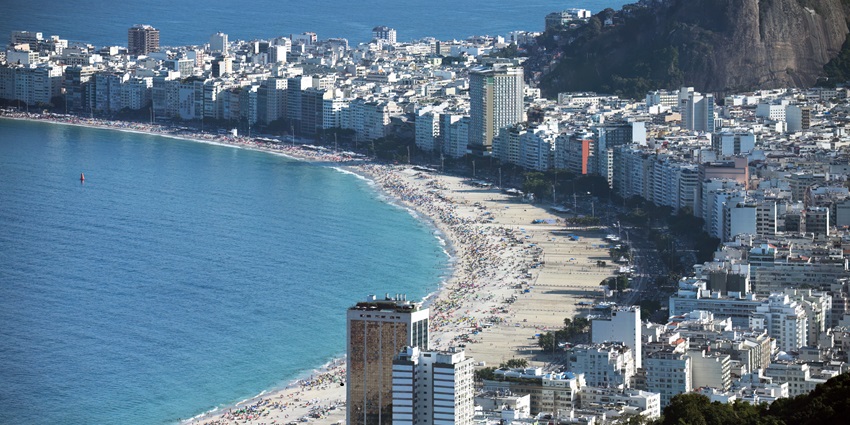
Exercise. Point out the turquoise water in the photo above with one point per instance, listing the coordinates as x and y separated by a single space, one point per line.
180 276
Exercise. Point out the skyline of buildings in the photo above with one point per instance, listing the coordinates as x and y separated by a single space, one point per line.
766 171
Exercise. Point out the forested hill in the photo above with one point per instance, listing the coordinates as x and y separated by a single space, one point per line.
713 45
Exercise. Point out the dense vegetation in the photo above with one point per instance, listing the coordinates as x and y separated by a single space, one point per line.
827 404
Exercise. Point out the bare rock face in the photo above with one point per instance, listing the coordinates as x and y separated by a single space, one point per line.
713 45
772 43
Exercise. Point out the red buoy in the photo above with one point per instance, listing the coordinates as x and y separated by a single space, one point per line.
82 177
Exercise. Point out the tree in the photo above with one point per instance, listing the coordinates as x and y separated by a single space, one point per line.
648 307
535 183
514 363
487 373
546 341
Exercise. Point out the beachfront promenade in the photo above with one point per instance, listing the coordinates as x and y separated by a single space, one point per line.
511 278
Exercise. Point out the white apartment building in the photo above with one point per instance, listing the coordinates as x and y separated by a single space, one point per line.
332 112
775 277
432 387
740 218
785 321
798 117
622 326
645 403
656 178
427 129
560 392
549 392
690 297
668 373
771 111
536 148
384 33
697 110
603 365
712 370
797 375
666 98
506 145
818 308
728 143
31 84
454 131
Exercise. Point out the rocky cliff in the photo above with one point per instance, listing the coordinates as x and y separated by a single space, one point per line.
713 45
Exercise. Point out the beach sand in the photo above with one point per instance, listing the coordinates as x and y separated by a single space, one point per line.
512 279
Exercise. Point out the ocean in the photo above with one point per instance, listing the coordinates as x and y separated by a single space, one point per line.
180 276
182 22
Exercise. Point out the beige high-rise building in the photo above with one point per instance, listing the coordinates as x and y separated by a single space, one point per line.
495 101
142 39
378 329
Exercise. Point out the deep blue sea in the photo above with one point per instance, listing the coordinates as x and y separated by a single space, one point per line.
182 22
180 276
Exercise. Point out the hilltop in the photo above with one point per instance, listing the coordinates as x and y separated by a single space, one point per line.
713 45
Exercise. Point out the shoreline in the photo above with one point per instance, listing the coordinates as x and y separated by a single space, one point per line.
490 300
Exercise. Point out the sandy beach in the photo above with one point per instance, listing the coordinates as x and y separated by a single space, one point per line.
512 279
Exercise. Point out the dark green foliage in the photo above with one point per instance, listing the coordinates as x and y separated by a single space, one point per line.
697 409
485 373
392 148
617 283
514 363
582 221
595 59
510 52
837 70
829 403
648 307
573 330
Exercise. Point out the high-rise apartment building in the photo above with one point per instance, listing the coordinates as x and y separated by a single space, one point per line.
622 326
495 97
697 110
384 33
668 372
377 331
142 39
432 387
219 43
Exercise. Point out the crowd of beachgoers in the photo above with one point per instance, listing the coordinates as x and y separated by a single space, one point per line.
313 398
488 256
